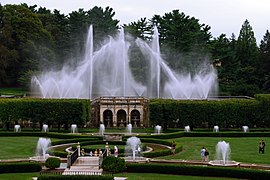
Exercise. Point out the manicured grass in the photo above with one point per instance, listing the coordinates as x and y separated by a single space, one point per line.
18 176
12 91
150 176
17 147
242 149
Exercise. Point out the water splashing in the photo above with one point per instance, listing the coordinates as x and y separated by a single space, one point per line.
107 72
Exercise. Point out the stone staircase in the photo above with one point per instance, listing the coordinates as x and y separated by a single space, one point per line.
84 166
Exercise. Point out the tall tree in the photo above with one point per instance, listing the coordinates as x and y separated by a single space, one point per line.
25 36
265 62
248 55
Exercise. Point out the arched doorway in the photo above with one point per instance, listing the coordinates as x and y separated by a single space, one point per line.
108 118
121 118
135 118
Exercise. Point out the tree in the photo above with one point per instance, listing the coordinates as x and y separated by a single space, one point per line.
247 53
22 46
139 29
265 62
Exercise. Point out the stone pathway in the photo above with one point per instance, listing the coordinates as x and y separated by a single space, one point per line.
85 166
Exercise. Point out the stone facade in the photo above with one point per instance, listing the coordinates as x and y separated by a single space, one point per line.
119 111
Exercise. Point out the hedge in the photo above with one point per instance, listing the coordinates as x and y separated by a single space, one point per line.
49 111
198 171
20 167
75 177
226 113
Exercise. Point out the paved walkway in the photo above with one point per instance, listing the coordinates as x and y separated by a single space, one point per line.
85 166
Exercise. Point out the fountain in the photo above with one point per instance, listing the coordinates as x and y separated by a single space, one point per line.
215 129
245 129
223 152
157 129
133 148
45 128
101 129
107 72
42 146
129 128
187 129
74 128
17 128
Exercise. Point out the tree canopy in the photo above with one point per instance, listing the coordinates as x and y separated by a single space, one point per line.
33 39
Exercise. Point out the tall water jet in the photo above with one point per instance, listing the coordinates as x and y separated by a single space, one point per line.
245 129
187 129
223 151
17 128
101 129
107 72
45 128
74 128
129 128
157 129
42 146
215 129
133 147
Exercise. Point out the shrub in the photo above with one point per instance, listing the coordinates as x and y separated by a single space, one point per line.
19 167
52 162
199 171
113 164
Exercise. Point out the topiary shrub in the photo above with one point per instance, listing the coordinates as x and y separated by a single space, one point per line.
113 164
52 162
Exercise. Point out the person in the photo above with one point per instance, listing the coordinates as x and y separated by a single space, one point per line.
115 151
82 152
90 153
206 154
173 147
261 146
203 153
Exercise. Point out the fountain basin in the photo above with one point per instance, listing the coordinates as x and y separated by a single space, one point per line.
221 163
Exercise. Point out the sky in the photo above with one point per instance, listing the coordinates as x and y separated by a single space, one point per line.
223 16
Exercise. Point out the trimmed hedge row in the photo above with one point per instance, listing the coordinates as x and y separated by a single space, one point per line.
74 177
49 111
21 167
198 113
198 171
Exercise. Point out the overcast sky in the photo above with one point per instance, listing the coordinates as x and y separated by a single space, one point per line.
224 16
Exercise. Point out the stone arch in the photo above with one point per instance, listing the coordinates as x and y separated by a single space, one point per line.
121 118
135 117
108 118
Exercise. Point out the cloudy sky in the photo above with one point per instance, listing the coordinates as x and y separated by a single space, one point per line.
224 16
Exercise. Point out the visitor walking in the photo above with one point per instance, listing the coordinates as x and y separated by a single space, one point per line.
115 151
206 154
173 147
203 153
261 146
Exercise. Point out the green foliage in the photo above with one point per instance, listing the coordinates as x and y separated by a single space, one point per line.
198 171
48 111
113 164
52 162
224 113
20 167
75 177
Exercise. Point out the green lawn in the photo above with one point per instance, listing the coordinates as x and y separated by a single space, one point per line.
12 91
17 147
242 149
18 176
